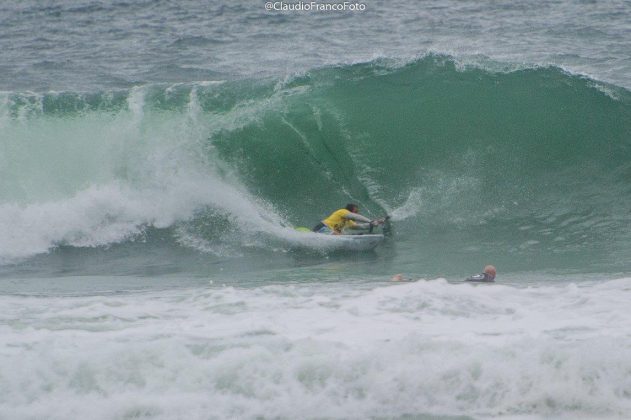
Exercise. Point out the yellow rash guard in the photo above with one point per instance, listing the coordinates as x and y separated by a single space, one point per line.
337 221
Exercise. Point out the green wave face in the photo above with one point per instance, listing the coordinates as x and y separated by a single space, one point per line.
526 168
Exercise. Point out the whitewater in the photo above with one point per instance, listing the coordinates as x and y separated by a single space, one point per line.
156 157
427 349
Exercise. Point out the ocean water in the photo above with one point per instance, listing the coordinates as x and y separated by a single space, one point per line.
156 156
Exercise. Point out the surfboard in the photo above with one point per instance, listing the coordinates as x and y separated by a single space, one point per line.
361 242
356 242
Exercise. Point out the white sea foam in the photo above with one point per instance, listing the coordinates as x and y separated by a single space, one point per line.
304 351
99 178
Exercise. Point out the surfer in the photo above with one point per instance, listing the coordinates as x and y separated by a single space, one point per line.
485 277
488 276
346 218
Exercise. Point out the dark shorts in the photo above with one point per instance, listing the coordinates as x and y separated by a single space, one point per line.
322 228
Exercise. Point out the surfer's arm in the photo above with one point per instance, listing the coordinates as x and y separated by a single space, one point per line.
480 278
354 225
357 221
357 218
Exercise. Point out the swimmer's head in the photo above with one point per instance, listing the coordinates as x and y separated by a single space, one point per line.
490 270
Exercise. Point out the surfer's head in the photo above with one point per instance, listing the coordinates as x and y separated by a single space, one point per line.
353 208
490 270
